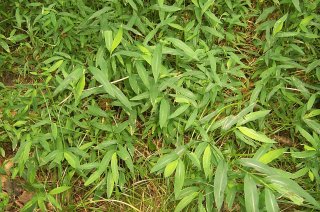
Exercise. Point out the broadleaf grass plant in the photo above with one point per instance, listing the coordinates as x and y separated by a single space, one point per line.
195 105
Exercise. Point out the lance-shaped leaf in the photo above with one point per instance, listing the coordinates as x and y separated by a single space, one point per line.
184 47
255 135
220 183
251 194
156 62
164 112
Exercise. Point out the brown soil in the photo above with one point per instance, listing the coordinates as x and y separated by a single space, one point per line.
11 79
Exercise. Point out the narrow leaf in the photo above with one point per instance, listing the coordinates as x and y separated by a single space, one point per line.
59 190
93 177
206 161
72 159
179 111
110 184
296 4
184 47
270 201
255 135
271 155
192 118
4 45
108 39
179 178
114 167
111 89
279 24
254 116
220 183
72 77
156 62
293 187
163 161
142 72
186 201
164 113
99 12
170 168
117 40
251 194
79 89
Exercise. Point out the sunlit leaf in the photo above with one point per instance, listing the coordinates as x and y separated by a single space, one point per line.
170 168
279 24
117 40
255 135
206 161
271 155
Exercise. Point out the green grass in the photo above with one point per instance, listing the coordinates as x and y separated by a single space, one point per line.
135 105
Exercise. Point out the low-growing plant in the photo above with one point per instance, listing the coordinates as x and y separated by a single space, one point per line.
215 102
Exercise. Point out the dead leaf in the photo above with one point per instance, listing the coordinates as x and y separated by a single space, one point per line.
25 197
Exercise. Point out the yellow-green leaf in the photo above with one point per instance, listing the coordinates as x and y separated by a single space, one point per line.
114 167
170 168
206 161
79 89
55 66
59 190
255 135
117 40
279 24
271 155
110 184
72 159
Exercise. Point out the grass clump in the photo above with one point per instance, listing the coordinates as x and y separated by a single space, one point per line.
160 105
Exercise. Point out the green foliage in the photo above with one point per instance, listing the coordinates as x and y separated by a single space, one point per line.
219 98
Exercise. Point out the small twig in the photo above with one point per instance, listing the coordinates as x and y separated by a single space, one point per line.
113 82
293 89
63 101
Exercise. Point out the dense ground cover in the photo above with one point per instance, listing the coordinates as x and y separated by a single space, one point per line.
160 105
